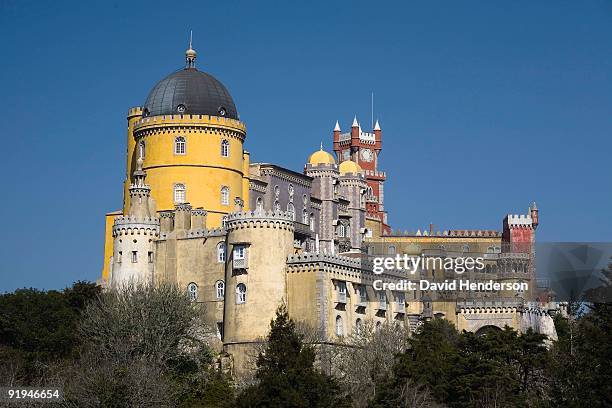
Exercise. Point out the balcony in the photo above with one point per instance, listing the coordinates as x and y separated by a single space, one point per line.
241 263
302 229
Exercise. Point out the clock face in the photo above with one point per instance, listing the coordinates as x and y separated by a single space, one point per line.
367 155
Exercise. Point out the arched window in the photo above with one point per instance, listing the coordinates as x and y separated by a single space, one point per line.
339 326
225 148
276 206
180 146
291 211
290 189
221 251
141 149
358 326
220 289
224 221
180 193
259 204
241 293
392 250
378 327
192 291
312 221
341 230
225 195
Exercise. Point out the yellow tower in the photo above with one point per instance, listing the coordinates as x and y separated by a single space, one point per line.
191 140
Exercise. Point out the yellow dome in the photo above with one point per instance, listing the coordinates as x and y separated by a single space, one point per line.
349 166
321 157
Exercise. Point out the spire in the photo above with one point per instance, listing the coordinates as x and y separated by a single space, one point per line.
534 206
377 125
190 54
355 123
139 174
337 127
321 145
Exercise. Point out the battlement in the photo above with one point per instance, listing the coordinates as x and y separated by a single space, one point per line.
126 225
135 111
519 221
260 219
187 120
448 233
329 258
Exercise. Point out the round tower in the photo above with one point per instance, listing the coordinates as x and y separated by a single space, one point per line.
191 139
353 186
258 244
134 236
322 167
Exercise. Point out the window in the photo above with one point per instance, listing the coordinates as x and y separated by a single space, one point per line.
225 195
221 252
141 150
312 221
392 250
224 221
341 230
151 257
180 193
220 289
290 190
276 206
363 294
134 256
305 218
304 200
239 252
119 256
378 327
259 204
192 291
291 211
241 292
358 326
339 326
179 145
276 191
224 148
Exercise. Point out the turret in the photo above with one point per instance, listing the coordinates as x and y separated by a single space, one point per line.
255 278
377 137
533 210
134 236
337 137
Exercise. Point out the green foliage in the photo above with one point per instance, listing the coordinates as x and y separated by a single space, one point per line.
38 327
286 373
465 370
580 373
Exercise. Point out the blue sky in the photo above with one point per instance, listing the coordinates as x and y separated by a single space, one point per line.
484 105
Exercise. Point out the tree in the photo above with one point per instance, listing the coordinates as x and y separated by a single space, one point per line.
38 328
286 374
144 346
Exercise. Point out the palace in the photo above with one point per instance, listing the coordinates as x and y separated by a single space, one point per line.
244 237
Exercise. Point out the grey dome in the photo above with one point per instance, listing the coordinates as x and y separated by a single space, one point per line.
190 91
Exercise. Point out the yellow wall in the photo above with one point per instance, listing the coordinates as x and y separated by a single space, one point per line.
201 169
108 242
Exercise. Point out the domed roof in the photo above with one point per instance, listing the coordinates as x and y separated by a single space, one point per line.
321 157
349 166
190 91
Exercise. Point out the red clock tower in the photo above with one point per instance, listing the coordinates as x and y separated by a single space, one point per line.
364 149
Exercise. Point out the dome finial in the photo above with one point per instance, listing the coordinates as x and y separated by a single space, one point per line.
190 54
321 145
